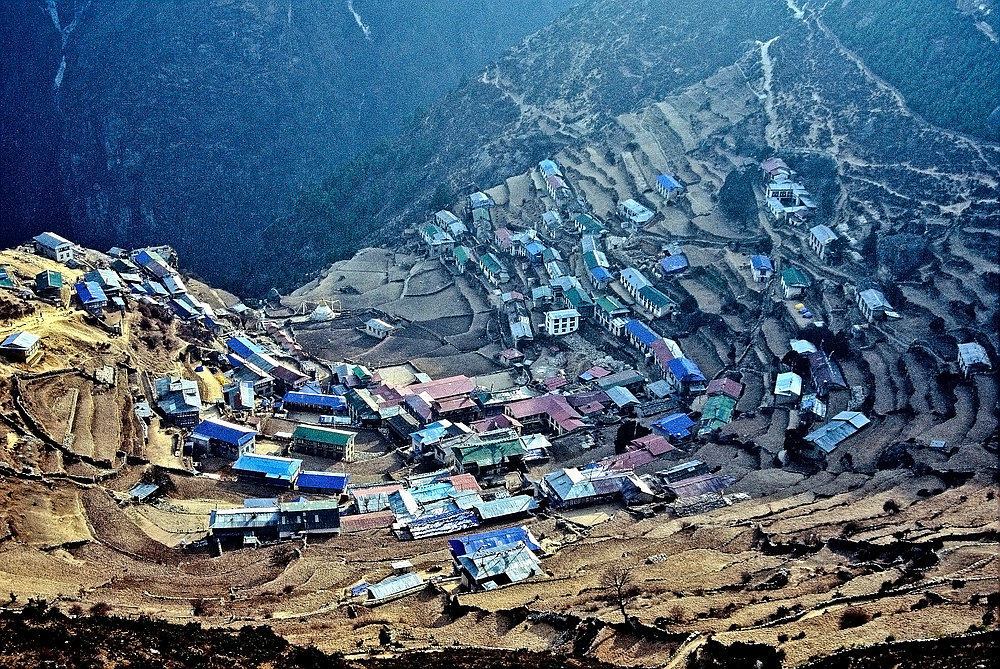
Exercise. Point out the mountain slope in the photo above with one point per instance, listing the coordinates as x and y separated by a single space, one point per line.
194 122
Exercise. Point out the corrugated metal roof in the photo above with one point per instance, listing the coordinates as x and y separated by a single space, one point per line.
21 341
485 540
505 506
213 428
394 586
674 263
323 435
322 480
669 183
641 332
270 466
514 561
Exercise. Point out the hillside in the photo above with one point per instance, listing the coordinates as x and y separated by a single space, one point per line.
566 86
197 122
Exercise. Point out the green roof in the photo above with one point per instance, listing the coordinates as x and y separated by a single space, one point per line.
590 259
461 254
655 297
609 304
323 435
792 276
6 281
718 409
488 454
588 223
490 263
577 297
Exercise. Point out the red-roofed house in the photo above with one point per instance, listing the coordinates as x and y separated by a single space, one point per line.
725 386
653 443
546 413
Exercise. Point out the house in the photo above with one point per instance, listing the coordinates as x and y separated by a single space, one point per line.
378 328
640 335
655 302
826 375
588 225
510 357
174 284
49 284
716 413
562 321
673 264
611 314
551 223
505 508
820 238
179 399
973 359
572 487
303 517
761 268
91 296
491 568
152 263
461 256
541 296
626 378
775 167
668 187
685 374
393 588
600 277
492 269
633 213
312 401
269 469
557 188
725 386
323 441
487 453
424 441
787 388
622 398
548 168
247 525
445 220
322 482
481 207
53 246
6 278
551 413
439 242
20 346
684 470
873 305
793 282
843 425
676 426
476 542
222 438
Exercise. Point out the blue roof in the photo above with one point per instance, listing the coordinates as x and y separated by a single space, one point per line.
600 273
333 402
90 292
669 182
270 466
476 542
674 263
322 480
534 248
676 425
641 331
761 262
243 347
685 369
223 431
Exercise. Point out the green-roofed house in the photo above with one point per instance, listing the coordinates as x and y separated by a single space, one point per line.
462 258
793 282
489 452
49 284
577 298
612 314
588 225
6 278
655 302
717 412
324 442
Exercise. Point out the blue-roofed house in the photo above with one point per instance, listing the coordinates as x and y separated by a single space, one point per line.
571 487
600 277
91 296
222 438
314 401
322 482
686 375
179 399
270 469
761 267
549 168
153 263
673 264
244 347
509 535
534 251
641 335
676 426
668 187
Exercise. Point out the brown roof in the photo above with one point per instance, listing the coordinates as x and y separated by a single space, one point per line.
361 522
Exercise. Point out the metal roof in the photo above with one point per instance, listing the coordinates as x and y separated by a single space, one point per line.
485 540
761 262
840 427
49 280
674 263
270 466
515 561
655 296
793 277
621 396
633 277
220 430
176 395
394 585
669 183
788 384
973 353
685 370
641 331
322 480
676 425
823 234
21 341
332 402
234 519
505 506
323 435
90 292
875 300
51 240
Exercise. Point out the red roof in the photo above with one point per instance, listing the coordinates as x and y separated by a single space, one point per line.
596 372
725 386
442 388
661 353
554 406
511 354
361 522
464 483
494 423
654 443
553 382
630 460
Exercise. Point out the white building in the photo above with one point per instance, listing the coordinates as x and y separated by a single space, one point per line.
562 321
634 213
787 388
53 246
820 238
972 359
378 328
873 304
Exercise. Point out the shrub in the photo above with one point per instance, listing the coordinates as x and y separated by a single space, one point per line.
854 616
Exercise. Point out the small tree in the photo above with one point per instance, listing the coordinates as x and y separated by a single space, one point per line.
618 580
